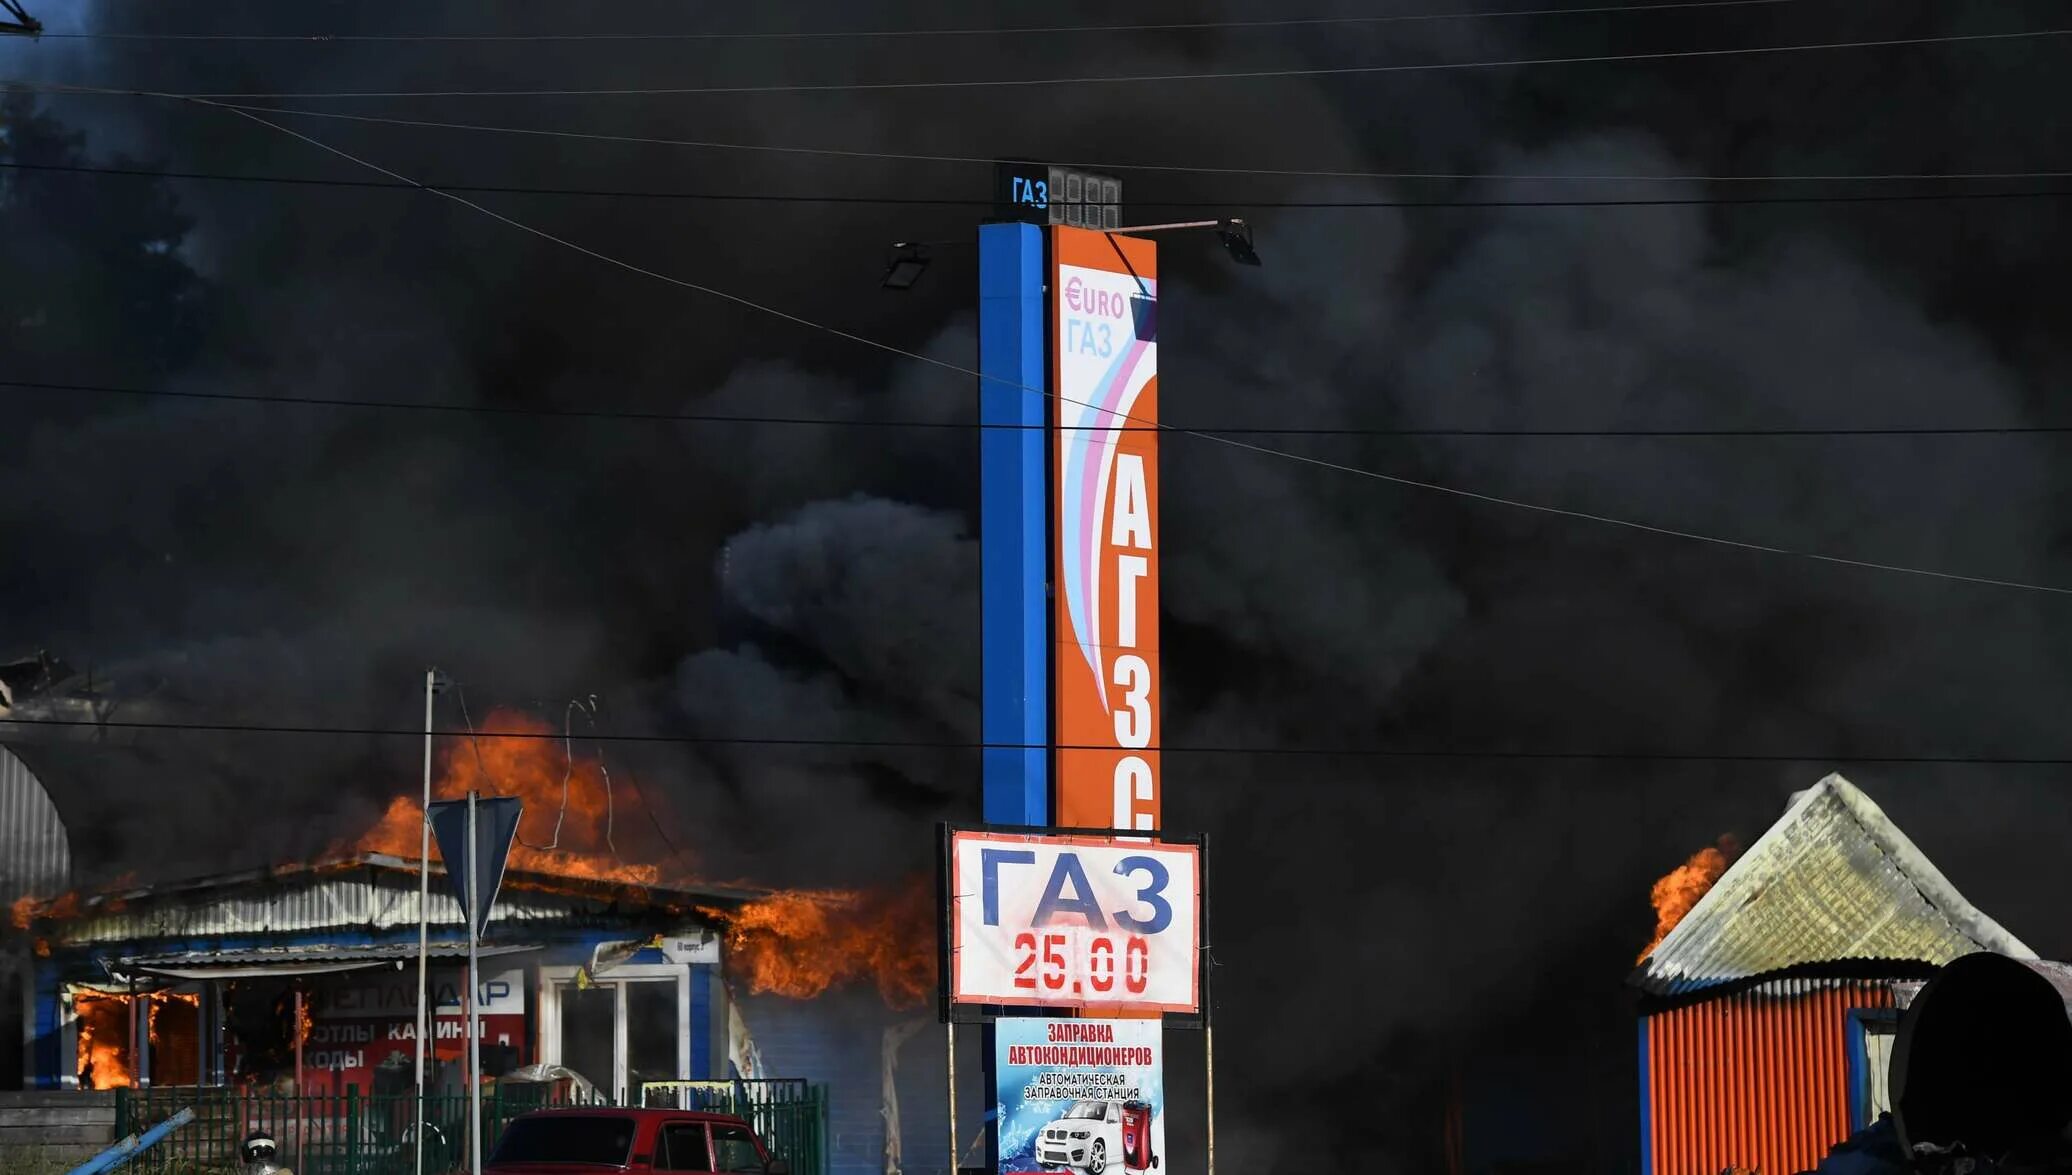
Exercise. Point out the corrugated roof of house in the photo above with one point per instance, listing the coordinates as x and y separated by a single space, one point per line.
369 892
1833 881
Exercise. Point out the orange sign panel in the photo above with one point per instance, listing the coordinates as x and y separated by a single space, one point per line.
1104 473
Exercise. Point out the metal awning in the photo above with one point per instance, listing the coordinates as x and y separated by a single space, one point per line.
280 961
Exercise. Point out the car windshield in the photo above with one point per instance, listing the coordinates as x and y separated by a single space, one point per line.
604 1140
1094 1110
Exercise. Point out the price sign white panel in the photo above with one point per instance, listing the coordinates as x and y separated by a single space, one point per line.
1074 922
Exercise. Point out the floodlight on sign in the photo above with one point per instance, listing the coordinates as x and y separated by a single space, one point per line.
905 268
1237 241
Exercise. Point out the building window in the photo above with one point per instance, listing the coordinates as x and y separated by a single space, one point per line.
622 1031
588 1017
651 1031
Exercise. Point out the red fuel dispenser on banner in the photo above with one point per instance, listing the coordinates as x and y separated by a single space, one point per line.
1136 1137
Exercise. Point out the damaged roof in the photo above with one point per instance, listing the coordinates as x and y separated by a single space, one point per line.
1833 881
369 892
296 960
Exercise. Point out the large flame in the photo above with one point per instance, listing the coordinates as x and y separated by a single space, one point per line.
25 911
577 822
1678 890
801 944
103 1040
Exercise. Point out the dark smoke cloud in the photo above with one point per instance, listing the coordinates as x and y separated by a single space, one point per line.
1462 920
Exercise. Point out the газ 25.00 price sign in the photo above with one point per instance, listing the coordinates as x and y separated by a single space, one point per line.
1074 922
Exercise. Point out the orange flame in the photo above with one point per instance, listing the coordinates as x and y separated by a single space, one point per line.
103 1040
24 912
800 944
1678 890
29 910
576 821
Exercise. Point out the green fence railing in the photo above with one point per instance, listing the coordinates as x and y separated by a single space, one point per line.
350 1133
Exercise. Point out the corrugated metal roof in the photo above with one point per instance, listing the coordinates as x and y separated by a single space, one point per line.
369 893
295 956
294 961
35 856
1833 880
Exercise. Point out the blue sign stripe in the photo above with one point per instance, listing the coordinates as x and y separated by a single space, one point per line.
1014 542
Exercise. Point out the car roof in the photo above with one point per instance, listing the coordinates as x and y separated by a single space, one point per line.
638 1113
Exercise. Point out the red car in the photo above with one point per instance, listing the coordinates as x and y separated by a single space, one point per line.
568 1142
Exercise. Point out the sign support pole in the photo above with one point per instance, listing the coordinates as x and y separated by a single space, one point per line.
424 872
1014 560
474 893
950 1035
1208 1048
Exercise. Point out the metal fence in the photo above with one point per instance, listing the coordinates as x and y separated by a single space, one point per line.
357 1134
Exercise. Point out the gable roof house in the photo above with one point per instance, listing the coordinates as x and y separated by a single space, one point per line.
1766 1014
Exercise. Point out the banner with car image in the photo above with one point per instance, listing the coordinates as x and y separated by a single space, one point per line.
1080 1095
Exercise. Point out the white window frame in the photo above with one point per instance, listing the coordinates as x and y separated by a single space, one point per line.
549 1003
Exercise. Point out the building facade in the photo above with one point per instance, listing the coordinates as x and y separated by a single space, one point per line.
303 981
1767 1014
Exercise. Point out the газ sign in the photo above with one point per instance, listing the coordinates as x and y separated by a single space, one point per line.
1074 922
1105 664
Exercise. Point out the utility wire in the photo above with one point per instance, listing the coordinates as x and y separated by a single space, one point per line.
967 202
1099 80
1352 752
1232 442
1108 166
480 766
976 426
1162 168
883 34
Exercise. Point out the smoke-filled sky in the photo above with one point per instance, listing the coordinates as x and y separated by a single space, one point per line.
1386 926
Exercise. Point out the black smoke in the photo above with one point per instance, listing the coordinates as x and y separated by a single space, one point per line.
1389 928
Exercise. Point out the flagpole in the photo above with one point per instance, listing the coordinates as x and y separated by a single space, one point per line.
424 867
474 892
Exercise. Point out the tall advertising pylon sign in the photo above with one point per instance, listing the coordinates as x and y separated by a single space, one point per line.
1072 682
1105 671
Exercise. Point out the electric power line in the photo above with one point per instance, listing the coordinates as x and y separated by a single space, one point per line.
1110 166
976 426
967 202
1230 441
1092 80
968 31
779 742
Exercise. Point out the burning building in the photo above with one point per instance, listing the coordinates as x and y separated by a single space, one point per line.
303 980
1767 1007
597 960
184 984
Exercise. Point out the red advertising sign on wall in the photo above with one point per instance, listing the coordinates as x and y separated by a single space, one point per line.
361 1022
1104 460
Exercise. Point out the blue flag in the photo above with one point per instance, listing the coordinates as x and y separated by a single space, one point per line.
496 824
